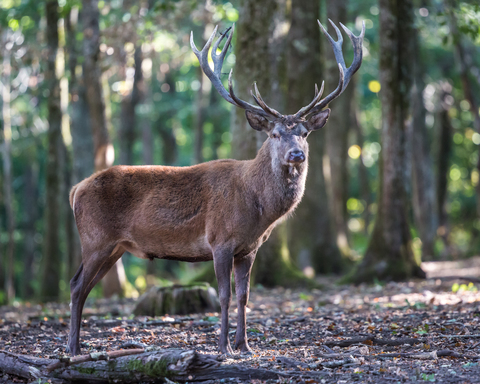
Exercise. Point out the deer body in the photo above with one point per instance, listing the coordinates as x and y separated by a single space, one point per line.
182 213
221 210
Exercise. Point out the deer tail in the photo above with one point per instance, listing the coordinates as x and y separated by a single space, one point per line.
72 197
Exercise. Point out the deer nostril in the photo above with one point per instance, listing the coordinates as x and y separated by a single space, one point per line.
296 156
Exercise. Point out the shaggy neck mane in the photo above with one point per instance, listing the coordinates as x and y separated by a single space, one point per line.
277 185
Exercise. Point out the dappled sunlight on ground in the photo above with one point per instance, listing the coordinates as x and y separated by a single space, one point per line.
400 331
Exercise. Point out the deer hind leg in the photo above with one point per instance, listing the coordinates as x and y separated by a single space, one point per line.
242 270
223 263
95 265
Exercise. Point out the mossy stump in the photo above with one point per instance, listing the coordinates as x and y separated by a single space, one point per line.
178 300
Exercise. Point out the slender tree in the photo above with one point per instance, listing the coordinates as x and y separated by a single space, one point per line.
423 185
30 205
389 254
128 105
7 169
336 138
200 107
215 116
362 169
444 131
114 281
169 144
52 260
311 231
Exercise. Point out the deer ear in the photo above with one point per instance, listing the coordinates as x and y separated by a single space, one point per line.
258 122
318 120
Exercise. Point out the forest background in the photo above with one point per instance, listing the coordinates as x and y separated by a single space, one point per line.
393 179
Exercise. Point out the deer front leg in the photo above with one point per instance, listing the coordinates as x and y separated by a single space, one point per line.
243 267
223 262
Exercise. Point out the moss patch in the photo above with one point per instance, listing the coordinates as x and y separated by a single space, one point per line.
157 368
85 371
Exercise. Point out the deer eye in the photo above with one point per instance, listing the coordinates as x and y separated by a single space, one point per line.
275 135
304 134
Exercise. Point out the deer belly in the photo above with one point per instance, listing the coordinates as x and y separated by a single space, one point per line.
171 248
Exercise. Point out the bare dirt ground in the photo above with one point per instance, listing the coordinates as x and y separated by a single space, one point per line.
419 331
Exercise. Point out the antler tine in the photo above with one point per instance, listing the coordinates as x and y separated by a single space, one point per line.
258 99
243 104
215 75
304 111
203 60
222 36
357 42
345 73
218 59
336 45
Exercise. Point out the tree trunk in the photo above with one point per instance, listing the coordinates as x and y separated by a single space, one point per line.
169 143
200 104
216 118
52 259
259 59
423 186
147 143
336 135
80 127
311 234
128 118
147 159
362 169
389 254
114 281
7 172
445 132
103 149
69 231
253 30
30 206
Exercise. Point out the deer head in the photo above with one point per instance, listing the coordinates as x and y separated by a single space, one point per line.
287 133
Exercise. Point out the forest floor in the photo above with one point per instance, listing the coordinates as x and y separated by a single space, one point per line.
425 331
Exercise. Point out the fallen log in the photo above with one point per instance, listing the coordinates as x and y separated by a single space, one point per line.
93 357
372 340
475 336
28 367
145 367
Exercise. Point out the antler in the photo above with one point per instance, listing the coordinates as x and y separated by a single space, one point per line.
345 73
214 75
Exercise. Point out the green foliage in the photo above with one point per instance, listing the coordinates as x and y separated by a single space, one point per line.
468 16
172 83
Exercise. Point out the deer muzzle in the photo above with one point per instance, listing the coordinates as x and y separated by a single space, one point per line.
295 156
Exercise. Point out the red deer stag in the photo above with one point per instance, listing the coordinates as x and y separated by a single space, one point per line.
222 210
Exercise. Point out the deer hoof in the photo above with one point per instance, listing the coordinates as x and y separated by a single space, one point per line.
244 348
227 350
